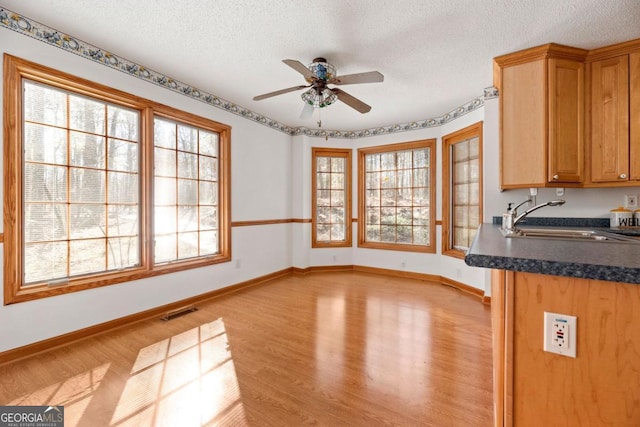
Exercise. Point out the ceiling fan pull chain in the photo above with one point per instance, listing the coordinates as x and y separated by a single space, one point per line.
320 113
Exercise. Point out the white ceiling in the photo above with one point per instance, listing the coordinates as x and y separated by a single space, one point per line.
436 55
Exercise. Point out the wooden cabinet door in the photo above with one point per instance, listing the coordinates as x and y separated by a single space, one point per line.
634 116
566 142
523 133
610 120
596 387
542 117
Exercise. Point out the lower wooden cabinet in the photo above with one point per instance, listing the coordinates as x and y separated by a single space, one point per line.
600 387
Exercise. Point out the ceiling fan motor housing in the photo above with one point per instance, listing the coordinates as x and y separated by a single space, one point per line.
322 70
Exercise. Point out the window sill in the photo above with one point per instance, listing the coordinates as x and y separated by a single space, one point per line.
397 247
455 253
34 292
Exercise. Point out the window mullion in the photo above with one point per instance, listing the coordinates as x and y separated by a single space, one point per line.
68 184
176 207
198 159
106 191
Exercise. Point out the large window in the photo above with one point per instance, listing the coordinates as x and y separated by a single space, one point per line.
103 187
462 189
185 191
79 185
331 210
397 197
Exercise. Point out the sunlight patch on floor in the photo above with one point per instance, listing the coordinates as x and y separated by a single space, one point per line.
187 380
74 394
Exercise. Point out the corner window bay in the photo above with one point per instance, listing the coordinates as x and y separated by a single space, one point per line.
397 197
103 187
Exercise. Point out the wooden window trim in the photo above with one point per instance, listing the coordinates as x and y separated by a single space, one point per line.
412 145
331 152
474 130
15 70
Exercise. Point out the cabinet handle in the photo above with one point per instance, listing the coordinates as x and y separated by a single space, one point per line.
556 176
623 176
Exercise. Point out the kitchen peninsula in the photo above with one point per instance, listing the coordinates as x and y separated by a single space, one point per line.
599 283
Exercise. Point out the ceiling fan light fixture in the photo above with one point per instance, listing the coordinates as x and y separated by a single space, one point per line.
319 100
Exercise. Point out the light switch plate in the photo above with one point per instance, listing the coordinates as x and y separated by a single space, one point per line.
560 334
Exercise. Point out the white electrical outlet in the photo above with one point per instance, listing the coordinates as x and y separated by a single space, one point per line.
631 201
560 334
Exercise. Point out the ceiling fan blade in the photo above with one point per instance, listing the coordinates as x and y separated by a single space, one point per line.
349 79
299 67
278 92
351 101
307 111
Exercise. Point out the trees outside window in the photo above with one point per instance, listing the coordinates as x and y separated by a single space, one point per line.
397 196
103 187
80 192
186 178
462 189
331 200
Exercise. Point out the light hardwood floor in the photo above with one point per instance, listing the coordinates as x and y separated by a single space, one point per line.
330 349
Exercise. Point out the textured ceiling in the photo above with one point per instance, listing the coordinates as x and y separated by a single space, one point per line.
436 55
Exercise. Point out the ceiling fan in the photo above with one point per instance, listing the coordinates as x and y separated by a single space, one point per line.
319 74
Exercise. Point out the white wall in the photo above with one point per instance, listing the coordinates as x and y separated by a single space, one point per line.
261 189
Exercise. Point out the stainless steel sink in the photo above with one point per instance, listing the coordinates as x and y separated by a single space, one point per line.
572 234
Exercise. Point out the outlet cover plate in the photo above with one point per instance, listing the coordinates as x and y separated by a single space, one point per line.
560 334
631 201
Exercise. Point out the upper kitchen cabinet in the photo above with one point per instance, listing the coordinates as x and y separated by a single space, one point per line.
610 120
541 116
614 144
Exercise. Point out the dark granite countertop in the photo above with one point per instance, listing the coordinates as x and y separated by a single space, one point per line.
611 261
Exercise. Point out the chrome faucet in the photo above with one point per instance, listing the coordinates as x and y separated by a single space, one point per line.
508 218
511 218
